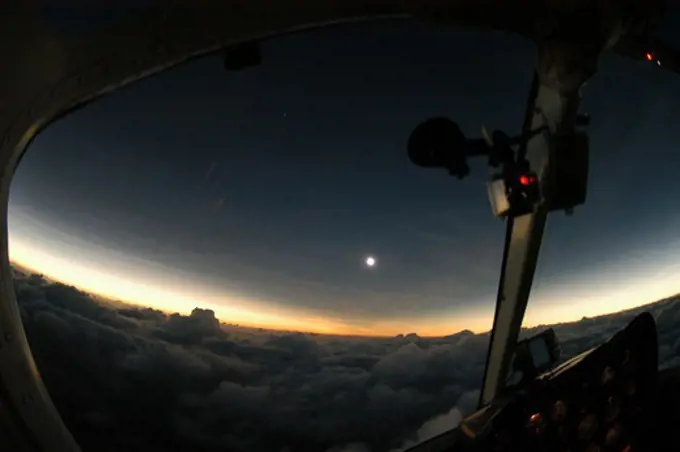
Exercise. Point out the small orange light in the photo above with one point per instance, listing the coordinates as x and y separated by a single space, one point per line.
649 56
536 424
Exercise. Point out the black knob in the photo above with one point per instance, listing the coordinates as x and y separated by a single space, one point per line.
439 142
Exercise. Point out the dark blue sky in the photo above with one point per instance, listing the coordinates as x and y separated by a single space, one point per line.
260 192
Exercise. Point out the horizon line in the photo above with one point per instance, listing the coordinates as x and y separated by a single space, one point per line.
136 305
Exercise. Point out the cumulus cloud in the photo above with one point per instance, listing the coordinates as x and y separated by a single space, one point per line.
136 379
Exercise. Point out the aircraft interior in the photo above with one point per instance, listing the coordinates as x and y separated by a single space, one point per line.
612 397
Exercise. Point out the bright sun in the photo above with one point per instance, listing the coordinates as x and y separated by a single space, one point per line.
370 261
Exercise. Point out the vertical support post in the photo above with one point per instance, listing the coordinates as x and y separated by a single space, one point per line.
554 101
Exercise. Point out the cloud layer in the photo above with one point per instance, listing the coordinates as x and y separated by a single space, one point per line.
140 380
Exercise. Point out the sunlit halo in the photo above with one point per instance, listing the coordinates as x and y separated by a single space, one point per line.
589 296
64 262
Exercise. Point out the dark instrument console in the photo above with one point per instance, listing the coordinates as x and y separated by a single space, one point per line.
602 400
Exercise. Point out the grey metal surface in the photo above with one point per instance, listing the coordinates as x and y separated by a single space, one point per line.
523 242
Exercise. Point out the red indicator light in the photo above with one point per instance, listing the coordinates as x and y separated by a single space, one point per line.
527 180
649 56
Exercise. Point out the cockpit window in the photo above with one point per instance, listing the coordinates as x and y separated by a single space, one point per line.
247 260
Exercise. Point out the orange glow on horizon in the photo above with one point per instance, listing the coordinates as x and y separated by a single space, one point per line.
604 294
100 283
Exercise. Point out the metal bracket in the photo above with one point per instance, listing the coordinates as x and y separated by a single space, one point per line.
557 112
